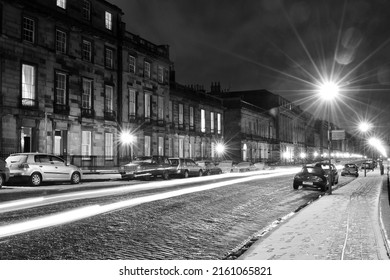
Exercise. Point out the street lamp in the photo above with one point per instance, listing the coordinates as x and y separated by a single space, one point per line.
220 149
127 139
329 91
364 127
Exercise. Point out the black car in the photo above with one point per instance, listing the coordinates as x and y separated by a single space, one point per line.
350 169
209 168
185 167
4 172
147 167
312 175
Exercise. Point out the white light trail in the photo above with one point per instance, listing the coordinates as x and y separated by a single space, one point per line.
90 211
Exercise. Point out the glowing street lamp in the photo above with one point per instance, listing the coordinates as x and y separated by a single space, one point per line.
329 91
127 139
364 127
220 149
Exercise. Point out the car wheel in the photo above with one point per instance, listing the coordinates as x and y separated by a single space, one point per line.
165 175
185 175
75 179
219 172
35 179
324 188
295 185
200 174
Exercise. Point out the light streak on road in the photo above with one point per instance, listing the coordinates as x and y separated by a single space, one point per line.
90 211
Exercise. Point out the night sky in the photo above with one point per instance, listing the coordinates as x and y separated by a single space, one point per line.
287 47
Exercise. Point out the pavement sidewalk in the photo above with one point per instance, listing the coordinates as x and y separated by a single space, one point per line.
350 224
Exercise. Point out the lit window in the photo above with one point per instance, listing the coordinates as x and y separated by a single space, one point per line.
108 20
219 124
147 69
61 88
191 117
160 146
202 120
61 4
86 147
109 146
28 30
212 122
28 85
86 50
60 41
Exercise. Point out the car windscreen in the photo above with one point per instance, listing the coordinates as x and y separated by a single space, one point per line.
16 159
174 161
149 160
349 166
312 170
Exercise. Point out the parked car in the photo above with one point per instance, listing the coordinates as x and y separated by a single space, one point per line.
313 176
185 167
244 167
209 167
4 172
369 165
227 166
332 173
350 169
147 167
39 167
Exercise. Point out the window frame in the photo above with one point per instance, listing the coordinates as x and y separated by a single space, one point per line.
147 69
61 4
86 42
108 146
86 153
86 10
90 101
132 64
108 62
65 89
61 47
29 99
108 20
203 120
24 29
109 98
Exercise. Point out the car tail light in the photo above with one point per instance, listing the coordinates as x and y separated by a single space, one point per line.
23 165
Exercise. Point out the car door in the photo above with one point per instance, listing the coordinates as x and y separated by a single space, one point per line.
61 170
47 170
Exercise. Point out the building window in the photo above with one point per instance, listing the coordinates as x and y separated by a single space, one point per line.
192 122
109 101
61 4
202 120
181 115
86 147
212 122
109 58
109 146
86 102
61 88
160 115
147 146
181 147
28 30
170 113
170 147
160 74
219 124
108 20
28 85
131 64
147 106
60 41
86 10
147 69
86 50
132 103
160 146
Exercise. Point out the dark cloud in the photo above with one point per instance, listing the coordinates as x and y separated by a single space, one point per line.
284 46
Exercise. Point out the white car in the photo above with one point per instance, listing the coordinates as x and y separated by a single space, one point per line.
38 167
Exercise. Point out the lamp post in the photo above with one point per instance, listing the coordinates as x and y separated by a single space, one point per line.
364 127
329 91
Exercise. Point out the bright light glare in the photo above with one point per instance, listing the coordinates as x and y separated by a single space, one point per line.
376 143
329 91
220 148
364 126
303 155
126 137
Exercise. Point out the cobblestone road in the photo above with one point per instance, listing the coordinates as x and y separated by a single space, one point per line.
203 225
